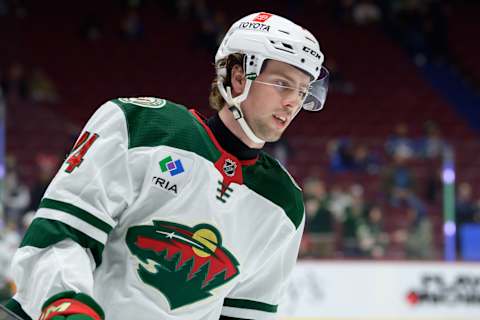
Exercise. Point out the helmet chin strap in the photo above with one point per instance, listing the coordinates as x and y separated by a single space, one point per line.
234 107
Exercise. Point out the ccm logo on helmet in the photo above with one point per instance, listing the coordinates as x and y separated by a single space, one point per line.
254 26
312 52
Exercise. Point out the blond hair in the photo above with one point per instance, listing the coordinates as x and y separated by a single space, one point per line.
215 99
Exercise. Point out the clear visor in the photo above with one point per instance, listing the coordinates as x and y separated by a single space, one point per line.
317 92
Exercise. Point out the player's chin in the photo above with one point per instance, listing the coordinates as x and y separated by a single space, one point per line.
273 136
270 132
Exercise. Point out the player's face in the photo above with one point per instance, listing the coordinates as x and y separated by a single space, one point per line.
274 99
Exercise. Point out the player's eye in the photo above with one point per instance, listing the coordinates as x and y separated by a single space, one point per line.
281 83
302 93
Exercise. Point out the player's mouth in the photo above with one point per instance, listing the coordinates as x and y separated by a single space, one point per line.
281 120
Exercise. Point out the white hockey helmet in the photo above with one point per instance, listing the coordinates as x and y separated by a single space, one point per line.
261 36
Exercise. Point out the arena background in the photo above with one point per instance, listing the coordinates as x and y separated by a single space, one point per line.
390 167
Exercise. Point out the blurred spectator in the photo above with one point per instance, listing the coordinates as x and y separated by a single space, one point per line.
433 183
27 220
372 238
399 185
343 11
466 210
207 35
337 81
16 195
9 242
417 236
346 155
340 152
412 16
132 26
280 150
364 160
339 201
47 166
212 27
353 220
399 143
42 88
14 83
319 224
420 26
398 180
432 144
365 12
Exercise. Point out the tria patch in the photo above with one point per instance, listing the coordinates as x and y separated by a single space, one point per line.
147 102
170 171
173 167
163 183
183 263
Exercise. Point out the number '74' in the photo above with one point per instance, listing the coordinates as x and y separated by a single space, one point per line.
79 150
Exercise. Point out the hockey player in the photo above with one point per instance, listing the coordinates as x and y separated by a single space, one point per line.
158 213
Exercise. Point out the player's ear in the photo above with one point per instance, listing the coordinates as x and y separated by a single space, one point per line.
237 80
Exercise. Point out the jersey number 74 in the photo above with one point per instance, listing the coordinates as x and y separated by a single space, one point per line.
79 150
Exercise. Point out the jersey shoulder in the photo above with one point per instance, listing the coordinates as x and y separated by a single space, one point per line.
153 121
272 181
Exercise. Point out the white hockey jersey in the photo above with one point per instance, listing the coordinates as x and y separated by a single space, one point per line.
154 220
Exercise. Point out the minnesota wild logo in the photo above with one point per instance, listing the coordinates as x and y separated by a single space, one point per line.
147 102
183 263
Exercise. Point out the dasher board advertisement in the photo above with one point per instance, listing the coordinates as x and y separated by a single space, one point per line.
383 291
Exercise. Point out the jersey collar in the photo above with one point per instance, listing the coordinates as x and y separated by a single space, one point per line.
225 140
